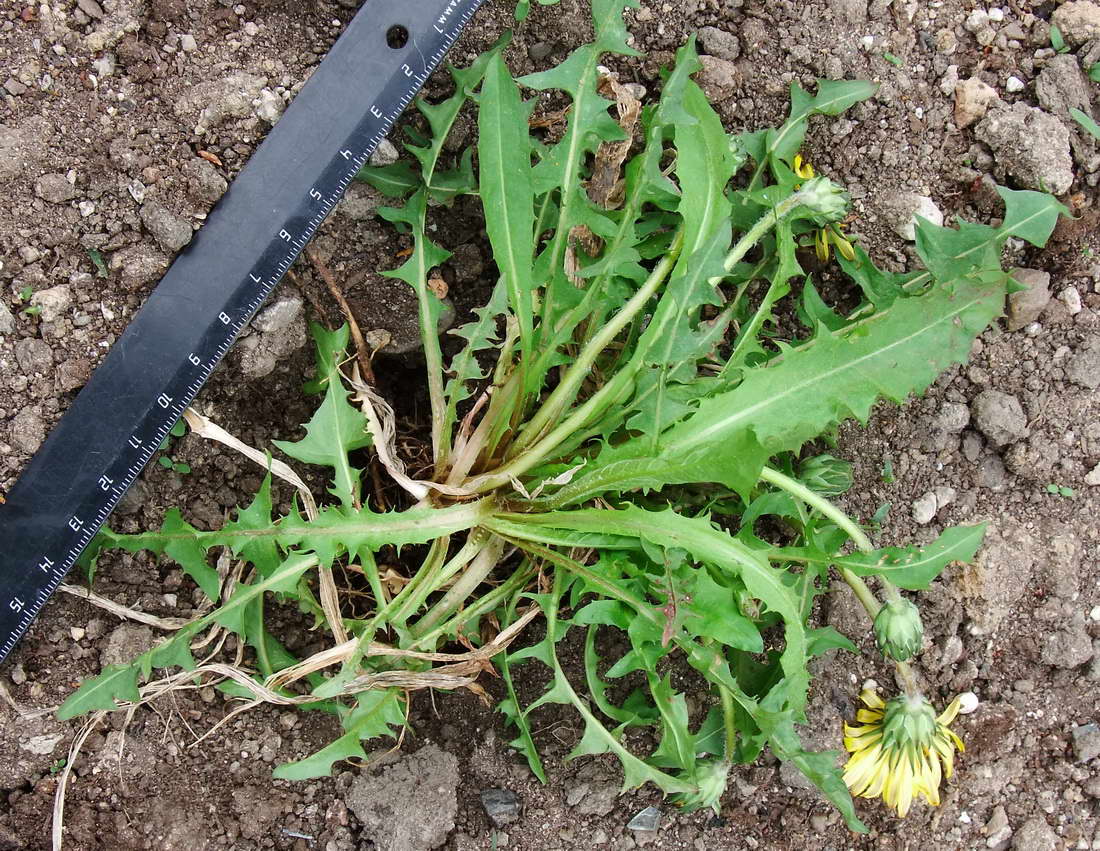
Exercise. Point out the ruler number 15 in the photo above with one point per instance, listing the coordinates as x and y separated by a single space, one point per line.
16 605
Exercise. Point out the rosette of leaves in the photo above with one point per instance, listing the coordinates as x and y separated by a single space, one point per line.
613 442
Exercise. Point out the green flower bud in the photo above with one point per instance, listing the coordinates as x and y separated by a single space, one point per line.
898 629
824 199
826 475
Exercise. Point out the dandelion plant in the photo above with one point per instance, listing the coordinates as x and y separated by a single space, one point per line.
618 441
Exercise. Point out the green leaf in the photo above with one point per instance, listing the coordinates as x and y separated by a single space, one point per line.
182 546
1057 41
396 180
115 682
100 264
1086 121
914 567
504 153
711 612
1094 72
335 429
377 712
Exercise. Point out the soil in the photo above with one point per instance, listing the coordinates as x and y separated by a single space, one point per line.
100 108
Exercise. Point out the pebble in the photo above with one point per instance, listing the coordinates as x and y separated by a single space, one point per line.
646 821
999 416
976 20
953 417
501 805
540 50
53 303
27 431
718 79
269 106
54 188
1035 835
1071 299
997 829
902 210
188 43
171 232
1092 478
1086 742
1084 367
1025 306
281 330
1030 145
1014 84
384 154
924 509
1078 21
718 42
972 99
7 319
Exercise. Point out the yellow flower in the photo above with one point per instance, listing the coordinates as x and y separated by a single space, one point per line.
802 168
898 749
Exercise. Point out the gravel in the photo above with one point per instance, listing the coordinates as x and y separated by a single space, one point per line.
1078 20
1086 742
7 319
1027 305
1061 86
1084 367
53 303
54 188
720 43
1031 146
999 416
501 805
902 210
973 98
171 232
1035 835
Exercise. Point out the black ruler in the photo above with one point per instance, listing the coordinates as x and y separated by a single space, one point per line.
250 239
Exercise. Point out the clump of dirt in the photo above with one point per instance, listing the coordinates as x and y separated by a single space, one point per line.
121 123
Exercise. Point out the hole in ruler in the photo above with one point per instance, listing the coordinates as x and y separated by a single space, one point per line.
397 36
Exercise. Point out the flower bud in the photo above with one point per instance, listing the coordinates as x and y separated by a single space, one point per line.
898 629
826 475
824 199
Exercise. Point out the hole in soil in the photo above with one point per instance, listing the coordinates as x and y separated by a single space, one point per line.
397 36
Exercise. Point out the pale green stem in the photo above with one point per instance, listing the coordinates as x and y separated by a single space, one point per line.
863 543
581 368
475 574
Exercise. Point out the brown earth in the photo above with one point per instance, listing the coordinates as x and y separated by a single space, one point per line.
99 107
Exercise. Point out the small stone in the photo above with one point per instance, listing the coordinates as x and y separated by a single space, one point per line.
901 212
270 106
125 644
171 232
719 78
7 319
53 303
1030 145
1014 84
1092 479
1025 306
953 417
924 509
27 431
945 495
1061 86
1086 742
645 821
949 81
34 356
997 829
14 87
501 805
384 154
946 41
968 703
976 20
991 473
280 330
999 416
1035 835
204 182
54 188
540 50
1078 21
1069 646
1084 367
1071 299
188 43
77 633
360 202
139 265
718 42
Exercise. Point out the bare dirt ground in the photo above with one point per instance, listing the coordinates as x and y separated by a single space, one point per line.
120 123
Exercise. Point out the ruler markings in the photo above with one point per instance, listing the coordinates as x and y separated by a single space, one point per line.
28 578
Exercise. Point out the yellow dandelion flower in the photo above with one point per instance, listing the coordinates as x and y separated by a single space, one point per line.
802 168
900 750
